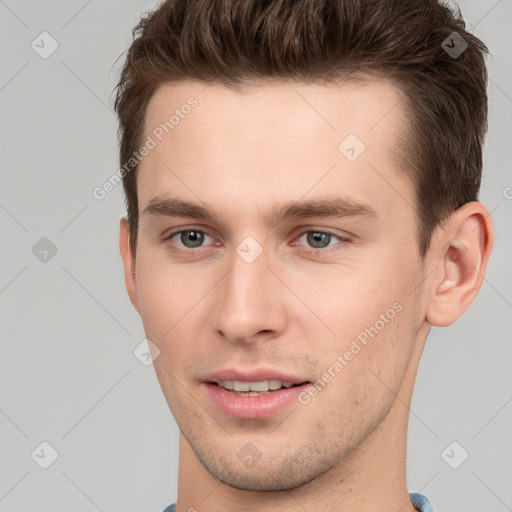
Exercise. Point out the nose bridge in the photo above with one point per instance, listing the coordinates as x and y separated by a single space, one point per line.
249 301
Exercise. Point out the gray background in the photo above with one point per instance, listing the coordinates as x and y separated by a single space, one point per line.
68 372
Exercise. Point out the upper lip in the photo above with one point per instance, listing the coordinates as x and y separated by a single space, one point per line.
253 375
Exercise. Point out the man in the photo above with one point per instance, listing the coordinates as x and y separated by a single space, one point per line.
301 181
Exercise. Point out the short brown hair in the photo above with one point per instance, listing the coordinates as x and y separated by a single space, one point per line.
239 42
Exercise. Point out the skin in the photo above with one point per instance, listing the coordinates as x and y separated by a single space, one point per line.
242 153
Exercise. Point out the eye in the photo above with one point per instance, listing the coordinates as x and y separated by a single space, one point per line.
192 237
319 240
188 239
193 241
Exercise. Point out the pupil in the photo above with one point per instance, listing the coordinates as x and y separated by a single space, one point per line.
195 237
317 239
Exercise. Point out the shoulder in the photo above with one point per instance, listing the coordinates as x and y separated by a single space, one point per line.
418 500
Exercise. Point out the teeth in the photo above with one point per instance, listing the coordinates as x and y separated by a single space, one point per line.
274 384
260 386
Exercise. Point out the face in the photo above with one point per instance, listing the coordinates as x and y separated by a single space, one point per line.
299 259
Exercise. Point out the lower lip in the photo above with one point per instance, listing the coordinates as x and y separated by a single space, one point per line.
253 407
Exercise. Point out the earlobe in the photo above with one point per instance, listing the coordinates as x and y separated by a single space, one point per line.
462 250
128 262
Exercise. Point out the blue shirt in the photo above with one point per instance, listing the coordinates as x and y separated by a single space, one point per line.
418 500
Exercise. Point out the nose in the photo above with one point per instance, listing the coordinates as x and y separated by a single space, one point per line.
251 302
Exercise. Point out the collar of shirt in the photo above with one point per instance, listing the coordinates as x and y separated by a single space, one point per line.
419 501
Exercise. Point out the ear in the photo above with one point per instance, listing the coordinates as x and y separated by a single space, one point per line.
130 278
461 251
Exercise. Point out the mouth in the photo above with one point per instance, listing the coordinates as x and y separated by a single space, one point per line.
254 400
253 393
257 388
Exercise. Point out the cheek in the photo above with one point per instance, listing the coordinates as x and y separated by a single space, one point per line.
166 291
372 319
351 298
174 303
364 370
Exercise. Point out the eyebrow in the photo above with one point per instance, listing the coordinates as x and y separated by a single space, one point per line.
328 207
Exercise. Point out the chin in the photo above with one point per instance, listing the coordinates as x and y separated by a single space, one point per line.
269 473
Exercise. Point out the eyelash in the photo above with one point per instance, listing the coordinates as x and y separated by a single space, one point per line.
312 251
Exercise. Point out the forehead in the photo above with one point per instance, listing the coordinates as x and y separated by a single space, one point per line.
279 136
356 106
